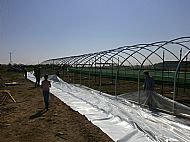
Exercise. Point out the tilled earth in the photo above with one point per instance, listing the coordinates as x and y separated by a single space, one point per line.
26 121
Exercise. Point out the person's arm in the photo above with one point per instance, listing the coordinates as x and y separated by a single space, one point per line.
145 84
49 84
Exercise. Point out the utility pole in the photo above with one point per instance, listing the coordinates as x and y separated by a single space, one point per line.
10 58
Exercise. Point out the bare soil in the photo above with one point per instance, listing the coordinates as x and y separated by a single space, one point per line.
26 121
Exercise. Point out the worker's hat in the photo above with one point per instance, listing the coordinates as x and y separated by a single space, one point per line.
146 72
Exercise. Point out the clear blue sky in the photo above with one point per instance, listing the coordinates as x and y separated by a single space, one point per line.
36 30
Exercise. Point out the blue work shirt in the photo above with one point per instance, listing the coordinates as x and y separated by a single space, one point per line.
149 83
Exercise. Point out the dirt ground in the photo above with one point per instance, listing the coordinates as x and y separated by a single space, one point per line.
26 121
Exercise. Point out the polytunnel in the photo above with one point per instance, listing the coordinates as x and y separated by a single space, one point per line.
167 61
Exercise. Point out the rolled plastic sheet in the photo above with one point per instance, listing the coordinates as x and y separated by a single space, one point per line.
120 119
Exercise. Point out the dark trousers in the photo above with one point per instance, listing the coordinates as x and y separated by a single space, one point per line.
37 84
46 98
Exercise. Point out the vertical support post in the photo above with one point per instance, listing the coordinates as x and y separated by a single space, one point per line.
67 73
185 75
89 70
74 73
53 66
112 72
116 78
178 73
100 75
95 70
80 75
174 94
162 91
64 70
139 86
118 73
116 83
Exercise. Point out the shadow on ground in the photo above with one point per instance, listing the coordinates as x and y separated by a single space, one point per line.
38 114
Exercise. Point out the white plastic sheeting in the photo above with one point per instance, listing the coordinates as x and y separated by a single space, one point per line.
121 120
157 101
